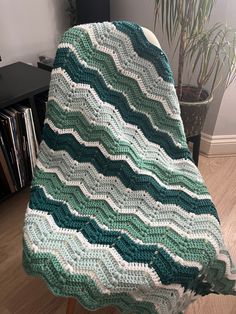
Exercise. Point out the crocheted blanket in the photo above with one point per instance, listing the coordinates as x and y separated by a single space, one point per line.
118 212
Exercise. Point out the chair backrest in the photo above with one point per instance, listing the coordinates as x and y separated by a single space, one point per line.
151 37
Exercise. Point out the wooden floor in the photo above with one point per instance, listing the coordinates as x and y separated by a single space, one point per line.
21 294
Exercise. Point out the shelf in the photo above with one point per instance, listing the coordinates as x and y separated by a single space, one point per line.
19 82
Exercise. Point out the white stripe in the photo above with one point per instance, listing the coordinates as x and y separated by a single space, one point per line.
154 124
130 202
43 235
54 159
141 144
215 238
133 67
176 258
128 160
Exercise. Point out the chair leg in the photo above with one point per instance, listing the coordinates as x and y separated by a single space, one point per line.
196 148
70 306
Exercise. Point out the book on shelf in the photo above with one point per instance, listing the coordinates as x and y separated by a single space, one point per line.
6 170
41 101
7 130
17 138
30 135
18 148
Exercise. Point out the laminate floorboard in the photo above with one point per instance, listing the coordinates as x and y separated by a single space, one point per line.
21 294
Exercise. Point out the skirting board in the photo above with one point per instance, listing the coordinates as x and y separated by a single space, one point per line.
218 145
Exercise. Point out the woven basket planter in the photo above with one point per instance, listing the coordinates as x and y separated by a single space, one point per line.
194 113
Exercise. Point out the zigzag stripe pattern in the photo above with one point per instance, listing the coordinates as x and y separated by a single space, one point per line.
109 262
129 178
118 98
146 167
131 67
140 218
106 117
118 213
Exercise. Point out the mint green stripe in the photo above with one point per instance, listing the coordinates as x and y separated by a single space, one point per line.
62 283
198 249
106 65
91 133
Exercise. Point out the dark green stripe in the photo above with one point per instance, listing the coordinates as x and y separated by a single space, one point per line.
78 73
62 283
125 173
199 249
92 133
167 269
145 49
108 69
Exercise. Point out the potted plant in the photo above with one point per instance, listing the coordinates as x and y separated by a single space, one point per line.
207 53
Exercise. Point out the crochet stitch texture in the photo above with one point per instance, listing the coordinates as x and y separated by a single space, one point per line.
118 212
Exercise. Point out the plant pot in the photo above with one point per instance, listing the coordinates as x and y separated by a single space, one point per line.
193 113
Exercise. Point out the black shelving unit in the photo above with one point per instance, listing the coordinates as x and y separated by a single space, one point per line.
22 82
90 11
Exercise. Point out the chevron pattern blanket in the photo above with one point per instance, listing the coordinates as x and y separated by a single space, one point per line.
118 212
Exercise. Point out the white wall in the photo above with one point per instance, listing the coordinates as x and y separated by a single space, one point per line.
29 28
226 119
221 117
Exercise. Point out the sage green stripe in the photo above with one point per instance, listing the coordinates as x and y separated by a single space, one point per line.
91 76
62 283
126 85
91 132
216 276
199 250
145 49
71 251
